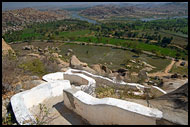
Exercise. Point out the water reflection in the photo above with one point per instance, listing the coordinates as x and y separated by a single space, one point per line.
75 15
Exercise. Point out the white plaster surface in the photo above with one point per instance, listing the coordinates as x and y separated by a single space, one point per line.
53 76
21 102
81 79
110 111
160 89
59 75
97 111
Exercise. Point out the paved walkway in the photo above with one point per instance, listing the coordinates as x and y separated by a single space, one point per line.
59 114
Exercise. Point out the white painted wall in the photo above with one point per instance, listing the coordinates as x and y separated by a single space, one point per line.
109 110
53 76
88 84
21 102
59 75
96 111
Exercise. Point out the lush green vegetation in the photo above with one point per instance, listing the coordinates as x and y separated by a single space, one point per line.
149 35
35 66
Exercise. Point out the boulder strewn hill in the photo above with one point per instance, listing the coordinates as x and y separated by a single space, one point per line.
137 11
17 19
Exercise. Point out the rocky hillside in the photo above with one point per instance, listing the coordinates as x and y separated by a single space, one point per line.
179 97
174 106
17 19
136 11
6 48
107 11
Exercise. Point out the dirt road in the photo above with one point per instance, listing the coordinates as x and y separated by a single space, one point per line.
165 72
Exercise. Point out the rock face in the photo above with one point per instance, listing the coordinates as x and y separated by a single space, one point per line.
179 97
4 111
34 55
70 50
101 69
143 74
62 63
56 55
6 48
75 63
174 105
97 68
28 47
105 69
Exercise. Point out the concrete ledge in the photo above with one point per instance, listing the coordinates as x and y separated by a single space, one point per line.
53 76
21 102
86 83
109 110
96 111
131 85
60 75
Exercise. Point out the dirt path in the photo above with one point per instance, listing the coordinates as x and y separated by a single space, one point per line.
165 72
169 67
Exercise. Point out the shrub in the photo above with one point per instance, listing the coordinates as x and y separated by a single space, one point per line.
7 120
35 66
41 118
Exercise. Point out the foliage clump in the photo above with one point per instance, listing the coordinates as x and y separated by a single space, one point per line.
35 66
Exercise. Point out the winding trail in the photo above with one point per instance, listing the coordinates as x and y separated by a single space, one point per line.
165 72
169 67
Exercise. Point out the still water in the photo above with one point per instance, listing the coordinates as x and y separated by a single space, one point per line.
75 15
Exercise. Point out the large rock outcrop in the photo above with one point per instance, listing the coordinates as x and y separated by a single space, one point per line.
179 97
77 64
174 106
6 48
101 69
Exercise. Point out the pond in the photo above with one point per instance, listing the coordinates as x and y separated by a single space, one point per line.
75 15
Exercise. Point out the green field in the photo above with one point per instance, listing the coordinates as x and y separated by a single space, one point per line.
69 34
102 55
76 30
132 44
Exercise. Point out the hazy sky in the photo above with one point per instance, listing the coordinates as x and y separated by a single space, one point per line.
16 5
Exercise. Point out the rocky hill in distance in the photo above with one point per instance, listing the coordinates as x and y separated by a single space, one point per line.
136 11
17 19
